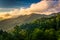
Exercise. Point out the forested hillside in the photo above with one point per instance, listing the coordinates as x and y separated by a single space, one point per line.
45 28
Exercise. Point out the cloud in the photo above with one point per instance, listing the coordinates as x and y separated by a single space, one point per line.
44 7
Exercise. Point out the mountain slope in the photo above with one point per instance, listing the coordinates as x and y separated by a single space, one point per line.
8 24
47 28
12 22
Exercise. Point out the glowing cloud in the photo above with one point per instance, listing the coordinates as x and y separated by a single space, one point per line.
44 7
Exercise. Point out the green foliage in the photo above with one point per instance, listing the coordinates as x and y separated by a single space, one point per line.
39 29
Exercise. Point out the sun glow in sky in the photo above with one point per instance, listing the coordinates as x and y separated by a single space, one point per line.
12 8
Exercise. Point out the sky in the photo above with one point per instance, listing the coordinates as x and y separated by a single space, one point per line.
16 3
26 7
11 4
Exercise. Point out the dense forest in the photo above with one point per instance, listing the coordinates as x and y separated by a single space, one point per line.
46 28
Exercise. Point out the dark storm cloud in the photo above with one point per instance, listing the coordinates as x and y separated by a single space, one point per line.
16 3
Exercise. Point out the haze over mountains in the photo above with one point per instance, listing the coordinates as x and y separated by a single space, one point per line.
8 24
12 22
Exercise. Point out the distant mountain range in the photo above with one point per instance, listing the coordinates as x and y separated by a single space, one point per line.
8 24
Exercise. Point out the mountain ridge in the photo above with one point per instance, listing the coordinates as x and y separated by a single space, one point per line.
12 22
